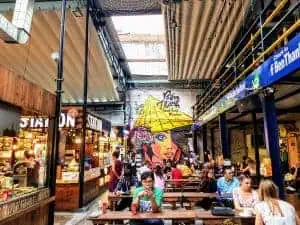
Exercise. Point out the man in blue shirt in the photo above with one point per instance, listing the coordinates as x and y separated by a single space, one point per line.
227 183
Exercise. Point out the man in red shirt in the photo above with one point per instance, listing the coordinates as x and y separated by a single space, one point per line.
176 174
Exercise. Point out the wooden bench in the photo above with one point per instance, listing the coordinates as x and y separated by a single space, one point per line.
184 215
169 197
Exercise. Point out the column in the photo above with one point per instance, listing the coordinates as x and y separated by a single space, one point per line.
272 137
256 145
212 139
204 142
224 136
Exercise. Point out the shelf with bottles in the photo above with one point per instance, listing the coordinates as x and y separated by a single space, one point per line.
6 143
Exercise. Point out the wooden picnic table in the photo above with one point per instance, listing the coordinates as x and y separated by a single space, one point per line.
209 219
169 197
112 216
190 197
184 215
172 185
193 180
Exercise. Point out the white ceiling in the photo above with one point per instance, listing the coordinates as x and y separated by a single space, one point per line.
33 60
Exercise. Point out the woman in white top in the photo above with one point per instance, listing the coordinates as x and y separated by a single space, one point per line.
244 196
271 210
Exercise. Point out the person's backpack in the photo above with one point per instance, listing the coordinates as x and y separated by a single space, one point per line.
122 186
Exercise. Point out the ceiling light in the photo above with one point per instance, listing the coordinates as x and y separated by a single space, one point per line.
55 56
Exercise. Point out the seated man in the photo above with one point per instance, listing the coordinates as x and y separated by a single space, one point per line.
226 184
148 198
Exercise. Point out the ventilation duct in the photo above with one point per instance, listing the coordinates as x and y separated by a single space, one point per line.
18 30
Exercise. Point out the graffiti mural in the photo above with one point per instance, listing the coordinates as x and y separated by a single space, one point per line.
170 101
156 115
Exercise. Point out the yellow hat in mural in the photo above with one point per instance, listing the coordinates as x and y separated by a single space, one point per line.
158 117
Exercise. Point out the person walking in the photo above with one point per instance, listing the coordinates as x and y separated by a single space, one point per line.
116 171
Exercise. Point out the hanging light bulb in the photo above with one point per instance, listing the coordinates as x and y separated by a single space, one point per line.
78 140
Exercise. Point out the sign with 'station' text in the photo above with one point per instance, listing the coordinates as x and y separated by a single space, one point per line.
65 121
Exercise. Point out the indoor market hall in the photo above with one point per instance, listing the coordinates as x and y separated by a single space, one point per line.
149 112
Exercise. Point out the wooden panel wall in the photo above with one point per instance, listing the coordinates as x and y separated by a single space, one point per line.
30 97
36 217
67 196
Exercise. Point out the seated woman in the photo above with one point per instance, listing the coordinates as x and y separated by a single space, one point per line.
244 197
148 198
271 210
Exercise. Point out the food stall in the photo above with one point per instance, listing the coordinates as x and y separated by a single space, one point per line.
24 156
96 160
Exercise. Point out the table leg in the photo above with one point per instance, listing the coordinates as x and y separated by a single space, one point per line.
192 204
173 205
114 205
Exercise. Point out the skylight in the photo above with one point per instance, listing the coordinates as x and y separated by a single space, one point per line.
150 24
142 39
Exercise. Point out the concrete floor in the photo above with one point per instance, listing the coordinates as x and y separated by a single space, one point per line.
79 218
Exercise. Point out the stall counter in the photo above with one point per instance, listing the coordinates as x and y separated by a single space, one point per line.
67 191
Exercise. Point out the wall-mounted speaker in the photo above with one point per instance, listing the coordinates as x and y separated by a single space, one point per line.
250 103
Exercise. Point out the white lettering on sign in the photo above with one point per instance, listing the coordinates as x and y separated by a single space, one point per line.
43 122
286 59
94 123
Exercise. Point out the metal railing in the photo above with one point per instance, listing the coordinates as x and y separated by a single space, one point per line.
254 51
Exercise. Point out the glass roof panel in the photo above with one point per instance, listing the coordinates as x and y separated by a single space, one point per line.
148 68
142 50
142 43
139 24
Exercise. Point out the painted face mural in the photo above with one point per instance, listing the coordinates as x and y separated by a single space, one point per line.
163 145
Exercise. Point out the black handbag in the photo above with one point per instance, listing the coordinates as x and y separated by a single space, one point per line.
222 211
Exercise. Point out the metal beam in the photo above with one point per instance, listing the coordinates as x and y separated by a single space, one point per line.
238 116
291 81
121 12
95 104
43 6
147 77
146 60
279 111
288 95
200 84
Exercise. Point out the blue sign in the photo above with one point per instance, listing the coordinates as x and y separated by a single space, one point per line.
281 64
